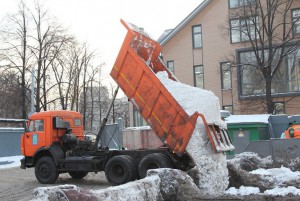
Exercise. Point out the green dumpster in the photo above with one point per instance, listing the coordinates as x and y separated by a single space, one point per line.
246 128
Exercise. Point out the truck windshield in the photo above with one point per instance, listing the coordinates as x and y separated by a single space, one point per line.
36 125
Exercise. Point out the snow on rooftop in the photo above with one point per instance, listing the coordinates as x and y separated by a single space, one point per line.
139 128
256 118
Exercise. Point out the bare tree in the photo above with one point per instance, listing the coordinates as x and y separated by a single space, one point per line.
266 28
14 51
33 39
10 106
50 38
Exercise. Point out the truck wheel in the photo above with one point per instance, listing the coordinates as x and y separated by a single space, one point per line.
78 174
153 161
45 171
120 170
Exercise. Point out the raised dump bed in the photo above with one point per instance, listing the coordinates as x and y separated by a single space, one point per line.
134 71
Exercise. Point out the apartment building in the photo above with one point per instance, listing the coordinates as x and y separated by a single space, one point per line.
209 49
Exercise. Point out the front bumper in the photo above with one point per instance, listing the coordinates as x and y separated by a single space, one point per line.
23 163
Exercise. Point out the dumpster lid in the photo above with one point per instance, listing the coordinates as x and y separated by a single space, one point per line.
248 119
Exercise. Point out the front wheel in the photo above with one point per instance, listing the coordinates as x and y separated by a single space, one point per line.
78 174
45 171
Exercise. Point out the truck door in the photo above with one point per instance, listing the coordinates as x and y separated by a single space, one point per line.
35 136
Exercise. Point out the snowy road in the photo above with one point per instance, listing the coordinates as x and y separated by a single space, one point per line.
18 184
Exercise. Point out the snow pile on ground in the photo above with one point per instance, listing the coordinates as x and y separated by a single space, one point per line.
159 185
248 171
212 171
10 161
290 190
278 176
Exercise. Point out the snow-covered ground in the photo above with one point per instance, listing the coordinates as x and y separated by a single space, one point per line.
10 161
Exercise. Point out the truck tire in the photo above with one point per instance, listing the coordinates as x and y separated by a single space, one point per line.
153 161
45 171
120 170
78 174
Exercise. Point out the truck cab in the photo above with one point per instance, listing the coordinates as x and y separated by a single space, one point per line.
45 129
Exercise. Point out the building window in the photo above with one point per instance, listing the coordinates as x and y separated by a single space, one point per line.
243 29
293 71
197 36
225 75
285 81
198 76
240 3
279 108
170 66
138 119
296 20
228 108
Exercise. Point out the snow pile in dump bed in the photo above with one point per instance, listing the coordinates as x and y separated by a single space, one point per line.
212 168
194 99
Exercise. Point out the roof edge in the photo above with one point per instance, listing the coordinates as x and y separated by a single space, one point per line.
184 22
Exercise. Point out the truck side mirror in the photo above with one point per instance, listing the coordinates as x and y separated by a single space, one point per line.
25 125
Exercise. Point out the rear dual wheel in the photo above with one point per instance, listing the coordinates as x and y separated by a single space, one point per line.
153 161
120 170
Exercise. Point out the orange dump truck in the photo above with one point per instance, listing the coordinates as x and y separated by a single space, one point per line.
54 141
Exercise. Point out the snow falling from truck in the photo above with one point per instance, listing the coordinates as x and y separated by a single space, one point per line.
212 169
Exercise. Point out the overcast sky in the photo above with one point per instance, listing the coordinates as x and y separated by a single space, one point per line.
98 21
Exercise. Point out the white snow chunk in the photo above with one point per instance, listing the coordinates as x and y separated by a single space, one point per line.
144 189
42 193
283 191
278 176
243 190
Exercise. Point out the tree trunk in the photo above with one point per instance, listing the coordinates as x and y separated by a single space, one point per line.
38 86
270 105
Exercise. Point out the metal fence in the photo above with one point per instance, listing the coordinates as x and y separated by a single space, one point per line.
10 141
